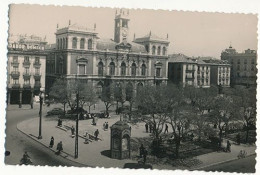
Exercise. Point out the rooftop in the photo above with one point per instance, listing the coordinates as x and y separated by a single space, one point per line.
151 37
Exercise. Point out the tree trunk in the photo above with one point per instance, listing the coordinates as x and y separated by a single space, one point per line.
177 147
116 107
64 110
247 133
89 109
220 138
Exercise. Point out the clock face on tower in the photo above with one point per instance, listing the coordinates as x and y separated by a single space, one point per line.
124 32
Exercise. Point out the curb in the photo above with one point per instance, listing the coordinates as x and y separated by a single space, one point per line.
65 157
217 163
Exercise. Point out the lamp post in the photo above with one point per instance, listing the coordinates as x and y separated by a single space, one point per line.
40 112
77 121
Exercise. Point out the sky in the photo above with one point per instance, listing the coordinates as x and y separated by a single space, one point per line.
190 33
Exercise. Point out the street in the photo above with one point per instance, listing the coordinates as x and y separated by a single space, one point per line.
17 143
246 165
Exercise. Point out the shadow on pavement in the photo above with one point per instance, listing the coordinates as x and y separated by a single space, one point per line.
106 153
138 166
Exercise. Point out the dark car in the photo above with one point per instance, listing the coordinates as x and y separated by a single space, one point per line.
75 111
55 111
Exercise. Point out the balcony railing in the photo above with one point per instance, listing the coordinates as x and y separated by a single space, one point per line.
26 75
26 63
37 75
15 74
27 86
16 86
14 63
37 64
37 86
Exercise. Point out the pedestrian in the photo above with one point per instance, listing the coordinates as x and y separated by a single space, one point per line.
146 127
59 147
86 138
106 125
72 131
228 146
238 138
59 122
96 134
51 142
150 127
166 128
145 155
141 150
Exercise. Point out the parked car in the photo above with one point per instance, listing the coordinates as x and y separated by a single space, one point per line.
75 111
55 111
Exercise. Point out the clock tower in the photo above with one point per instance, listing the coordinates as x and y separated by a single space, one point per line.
121 26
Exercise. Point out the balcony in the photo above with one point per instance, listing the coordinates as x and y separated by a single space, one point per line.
16 86
37 64
27 86
37 85
26 75
15 74
15 63
26 63
37 76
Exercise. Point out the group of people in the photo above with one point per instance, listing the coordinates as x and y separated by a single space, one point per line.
105 126
59 145
149 127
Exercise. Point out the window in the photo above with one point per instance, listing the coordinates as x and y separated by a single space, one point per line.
26 70
26 59
82 43
37 71
15 68
74 43
112 68
89 44
159 50
153 50
82 69
133 71
158 72
245 67
123 68
143 70
253 61
238 67
198 68
100 68
147 48
164 51
27 81
238 61
15 81
15 59
66 45
245 61
252 67
37 60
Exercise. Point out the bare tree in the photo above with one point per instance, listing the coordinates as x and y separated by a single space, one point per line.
107 96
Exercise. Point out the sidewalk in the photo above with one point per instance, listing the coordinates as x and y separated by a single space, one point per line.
96 153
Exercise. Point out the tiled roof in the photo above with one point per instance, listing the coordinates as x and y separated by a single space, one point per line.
151 37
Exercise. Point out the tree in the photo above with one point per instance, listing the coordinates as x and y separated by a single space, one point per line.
107 96
88 96
59 92
225 110
247 112
119 95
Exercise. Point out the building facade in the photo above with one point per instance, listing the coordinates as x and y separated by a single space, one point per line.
26 68
80 54
188 71
219 72
198 72
243 66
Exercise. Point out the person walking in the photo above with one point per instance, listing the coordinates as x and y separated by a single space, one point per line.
141 150
96 134
72 131
59 148
166 128
228 146
145 155
146 127
51 142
